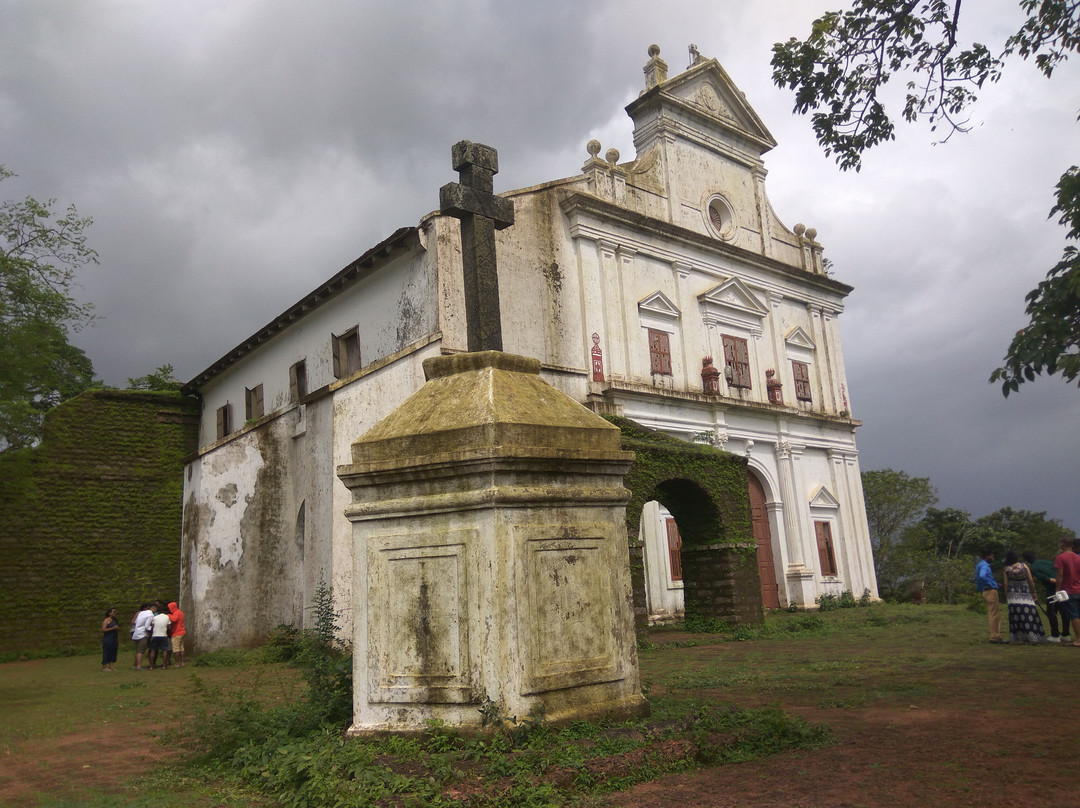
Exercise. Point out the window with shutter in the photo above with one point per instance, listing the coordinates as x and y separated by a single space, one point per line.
659 352
801 371
253 402
736 361
346 352
223 425
298 380
674 543
826 555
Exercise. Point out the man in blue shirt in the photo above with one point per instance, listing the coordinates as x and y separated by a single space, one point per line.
985 583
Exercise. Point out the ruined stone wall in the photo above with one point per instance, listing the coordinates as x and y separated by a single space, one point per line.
90 518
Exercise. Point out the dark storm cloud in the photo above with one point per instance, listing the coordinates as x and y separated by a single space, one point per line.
235 155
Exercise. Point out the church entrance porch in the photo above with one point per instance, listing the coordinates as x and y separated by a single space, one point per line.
705 492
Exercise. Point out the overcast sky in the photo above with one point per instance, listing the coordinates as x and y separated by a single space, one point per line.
234 155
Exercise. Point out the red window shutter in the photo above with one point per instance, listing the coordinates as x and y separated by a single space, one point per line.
674 541
826 556
801 372
659 352
737 361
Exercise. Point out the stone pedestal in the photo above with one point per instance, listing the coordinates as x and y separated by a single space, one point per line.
490 554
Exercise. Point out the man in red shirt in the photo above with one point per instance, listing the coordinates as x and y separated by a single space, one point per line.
178 633
1067 567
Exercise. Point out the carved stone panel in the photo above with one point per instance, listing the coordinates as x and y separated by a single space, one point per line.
564 606
419 616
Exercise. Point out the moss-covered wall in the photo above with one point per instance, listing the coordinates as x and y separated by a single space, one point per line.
705 490
91 517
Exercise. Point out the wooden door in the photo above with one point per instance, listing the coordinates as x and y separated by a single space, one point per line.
759 523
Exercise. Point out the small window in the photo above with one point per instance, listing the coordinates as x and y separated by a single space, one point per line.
346 348
801 371
298 381
736 362
253 402
224 427
674 547
659 352
826 554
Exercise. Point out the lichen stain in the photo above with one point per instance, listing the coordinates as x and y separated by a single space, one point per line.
409 318
227 495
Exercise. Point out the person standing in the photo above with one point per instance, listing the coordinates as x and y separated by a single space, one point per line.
1025 625
1067 567
159 636
1043 570
988 587
176 617
142 625
110 640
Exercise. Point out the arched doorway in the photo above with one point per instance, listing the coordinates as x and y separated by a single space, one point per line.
759 525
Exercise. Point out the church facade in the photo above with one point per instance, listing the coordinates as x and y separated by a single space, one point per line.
664 289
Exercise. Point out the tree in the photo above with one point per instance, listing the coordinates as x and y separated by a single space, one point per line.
161 379
841 70
1027 530
40 251
894 500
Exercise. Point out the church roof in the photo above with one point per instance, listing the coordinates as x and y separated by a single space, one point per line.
401 239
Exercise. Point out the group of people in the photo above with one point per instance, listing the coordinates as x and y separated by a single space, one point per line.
1059 581
157 631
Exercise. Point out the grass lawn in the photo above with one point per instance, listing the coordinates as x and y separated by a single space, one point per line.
869 706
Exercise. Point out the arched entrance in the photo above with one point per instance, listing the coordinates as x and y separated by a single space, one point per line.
759 525
705 491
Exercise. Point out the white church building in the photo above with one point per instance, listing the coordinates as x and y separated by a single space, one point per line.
664 289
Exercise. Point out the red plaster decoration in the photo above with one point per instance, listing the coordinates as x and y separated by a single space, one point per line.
774 387
597 359
710 376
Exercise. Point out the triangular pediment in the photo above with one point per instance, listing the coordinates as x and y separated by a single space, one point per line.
707 93
735 295
823 498
659 305
797 338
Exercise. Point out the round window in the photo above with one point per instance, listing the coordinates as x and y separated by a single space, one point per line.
721 219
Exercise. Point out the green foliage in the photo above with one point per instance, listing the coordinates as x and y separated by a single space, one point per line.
105 479
843 67
40 251
1050 342
1026 530
703 488
845 600
894 500
161 379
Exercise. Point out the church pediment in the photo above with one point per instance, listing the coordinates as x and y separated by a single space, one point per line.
799 339
707 92
659 305
735 296
823 498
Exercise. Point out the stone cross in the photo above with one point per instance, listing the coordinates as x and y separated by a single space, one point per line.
473 201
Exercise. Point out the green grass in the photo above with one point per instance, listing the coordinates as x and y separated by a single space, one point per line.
716 699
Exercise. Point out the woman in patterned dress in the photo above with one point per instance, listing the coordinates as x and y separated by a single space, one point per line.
1025 625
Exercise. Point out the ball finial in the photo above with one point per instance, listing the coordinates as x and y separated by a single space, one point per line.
593 147
654 50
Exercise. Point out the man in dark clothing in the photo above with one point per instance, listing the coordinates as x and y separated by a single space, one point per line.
1042 569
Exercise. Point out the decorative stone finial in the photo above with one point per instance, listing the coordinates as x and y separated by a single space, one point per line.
612 156
799 229
593 147
811 233
695 55
655 68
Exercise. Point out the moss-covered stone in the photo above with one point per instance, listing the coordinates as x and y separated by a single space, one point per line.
705 489
90 518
